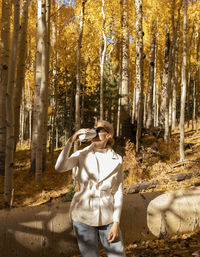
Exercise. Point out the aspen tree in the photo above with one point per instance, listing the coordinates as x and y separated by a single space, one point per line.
53 101
174 82
167 132
164 107
183 84
4 62
149 122
37 87
125 108
42 97
47 46
20 67
102 61
155 91
78 73
22 120
37 114
118 57
9 161
196 80
188 91
139 71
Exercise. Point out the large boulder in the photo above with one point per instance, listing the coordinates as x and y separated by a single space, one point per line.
174 212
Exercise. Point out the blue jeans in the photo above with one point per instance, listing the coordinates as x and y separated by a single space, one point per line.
87 237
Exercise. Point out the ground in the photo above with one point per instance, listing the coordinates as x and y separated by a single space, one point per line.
158 161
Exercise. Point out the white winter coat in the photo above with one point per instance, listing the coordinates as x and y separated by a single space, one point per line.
99 199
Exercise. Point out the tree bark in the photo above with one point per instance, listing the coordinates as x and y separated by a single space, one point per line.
183 84
118 57
125 118
149 121
197 43
194 104
78 73
22 120
139 71
174 83
155 91
102 61
20 67
10 140
164 107
167 132
175 44
47 45
125 61
4 62
54 100
43 95
188 91
38 77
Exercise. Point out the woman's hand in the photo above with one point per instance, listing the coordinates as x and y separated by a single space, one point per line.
113 233
75 136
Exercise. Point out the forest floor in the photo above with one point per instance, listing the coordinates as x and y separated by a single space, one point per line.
157 161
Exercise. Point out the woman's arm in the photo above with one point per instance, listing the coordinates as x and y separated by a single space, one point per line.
64 162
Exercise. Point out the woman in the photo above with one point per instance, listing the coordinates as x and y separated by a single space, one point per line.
96 207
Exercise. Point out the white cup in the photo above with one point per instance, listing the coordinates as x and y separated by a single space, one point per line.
88 135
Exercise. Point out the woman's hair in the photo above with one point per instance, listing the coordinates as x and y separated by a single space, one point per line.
109 127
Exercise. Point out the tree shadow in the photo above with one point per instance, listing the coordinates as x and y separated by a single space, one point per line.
37 231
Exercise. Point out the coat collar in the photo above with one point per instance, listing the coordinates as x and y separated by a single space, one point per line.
112 154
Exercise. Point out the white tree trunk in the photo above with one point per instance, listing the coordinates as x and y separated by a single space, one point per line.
118 129
78 73
139 71
188 91
54 98
4 62
183 84
22 120
125 108
194 101
196 78
10 140
47 44
20 67
175 82
133 114
150 116
164 107
175 45
38 77
155 92
42 97
102 61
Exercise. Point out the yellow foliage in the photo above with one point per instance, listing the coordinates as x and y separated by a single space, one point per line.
131 164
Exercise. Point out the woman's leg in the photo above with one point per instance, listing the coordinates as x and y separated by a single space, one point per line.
114 249
87 237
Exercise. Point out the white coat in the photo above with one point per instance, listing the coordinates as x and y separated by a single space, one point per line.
99 199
